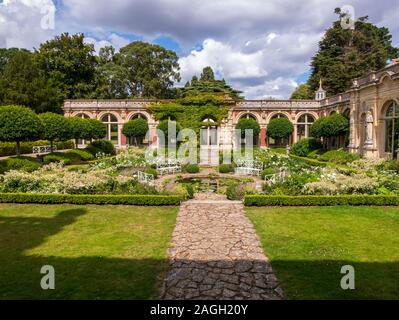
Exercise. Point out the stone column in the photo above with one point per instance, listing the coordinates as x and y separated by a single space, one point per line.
352 132
263 137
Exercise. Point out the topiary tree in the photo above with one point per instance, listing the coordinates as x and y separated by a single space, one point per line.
79 128
280 128
55 126
164 127
19 124
248 124
95 130
332 126
136 129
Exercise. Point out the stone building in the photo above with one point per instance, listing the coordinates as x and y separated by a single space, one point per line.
371 105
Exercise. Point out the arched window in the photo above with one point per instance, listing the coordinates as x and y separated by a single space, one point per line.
248 116
111 123
209 133
278 116
392 128
83 116
138 116
303 126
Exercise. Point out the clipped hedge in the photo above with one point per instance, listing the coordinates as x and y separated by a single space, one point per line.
8 148
345 200
138 200
312 162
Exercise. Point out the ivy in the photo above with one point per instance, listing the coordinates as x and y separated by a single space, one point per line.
190 112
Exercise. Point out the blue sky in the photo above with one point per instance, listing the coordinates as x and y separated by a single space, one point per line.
263 48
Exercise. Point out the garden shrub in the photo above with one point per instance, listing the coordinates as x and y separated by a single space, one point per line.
93 150
179 190
312 162
332 126
267 172
82 154
235 192
139 200
391 165
26 164
56 157
152 171
132 187
8 148
136 129
225 168
238 191
352 200
190 190
339 157
279 128
104 146
305 146
192 168
248 124
315 154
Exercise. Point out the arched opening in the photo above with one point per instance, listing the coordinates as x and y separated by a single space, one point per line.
278 116
280 142
111 124
248 122
347 115
392 129
303 126
209 133
362 132
138 116
139 129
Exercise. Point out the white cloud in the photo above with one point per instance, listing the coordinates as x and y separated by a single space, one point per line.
22 22
269 63
114 40
259 46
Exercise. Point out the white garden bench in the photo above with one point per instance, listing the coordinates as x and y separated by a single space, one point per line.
43 149
145 178
249 168
170 166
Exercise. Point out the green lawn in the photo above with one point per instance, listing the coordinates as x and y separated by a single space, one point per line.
308 247
98 252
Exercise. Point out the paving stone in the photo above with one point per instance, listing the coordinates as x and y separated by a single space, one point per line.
216 254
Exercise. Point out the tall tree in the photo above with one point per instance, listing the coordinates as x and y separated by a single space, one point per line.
208 84
55 126
19 124
207 74
21 83
302 92
69 64
7 54
151 69
345 54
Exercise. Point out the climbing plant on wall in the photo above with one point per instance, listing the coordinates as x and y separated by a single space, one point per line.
190 112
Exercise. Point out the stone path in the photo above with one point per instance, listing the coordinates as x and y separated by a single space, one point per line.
216 254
